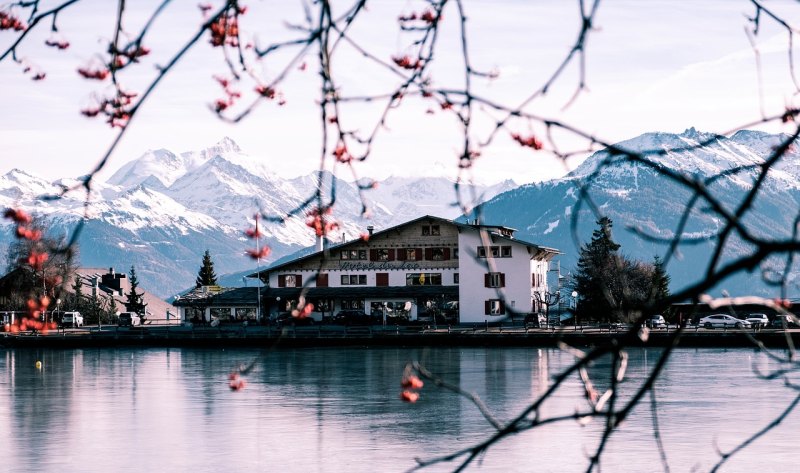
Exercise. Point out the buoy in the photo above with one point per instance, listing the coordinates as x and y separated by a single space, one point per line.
38 365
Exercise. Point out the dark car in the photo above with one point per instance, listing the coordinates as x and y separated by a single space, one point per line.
782 321
353 317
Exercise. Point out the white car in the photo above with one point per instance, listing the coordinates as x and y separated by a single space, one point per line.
723 320
72 319
758 320
655 321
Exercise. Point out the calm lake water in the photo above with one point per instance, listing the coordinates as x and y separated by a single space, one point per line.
337 410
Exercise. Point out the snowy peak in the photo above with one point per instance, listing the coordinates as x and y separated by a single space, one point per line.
20 184
698 153
166 167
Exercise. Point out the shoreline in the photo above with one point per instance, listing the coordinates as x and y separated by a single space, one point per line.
338 336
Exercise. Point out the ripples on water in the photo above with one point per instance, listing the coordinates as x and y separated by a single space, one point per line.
337 410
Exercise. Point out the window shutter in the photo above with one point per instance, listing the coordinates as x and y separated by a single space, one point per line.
299 279
502 307
401 254
502 279
428 254
281 280
322 280
487 305
446 255
381 279
487 280
391 254
373 255
418 253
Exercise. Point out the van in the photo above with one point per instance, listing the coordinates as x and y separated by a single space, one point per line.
72 319
129 319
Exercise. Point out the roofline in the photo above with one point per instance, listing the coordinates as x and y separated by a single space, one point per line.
418 219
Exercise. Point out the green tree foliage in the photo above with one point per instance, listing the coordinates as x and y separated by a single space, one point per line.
134 301
595 274
612 286
661 280
206 275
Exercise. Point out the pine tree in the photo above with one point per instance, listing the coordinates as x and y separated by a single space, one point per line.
78 302
596 273
134 299
661 280
206 275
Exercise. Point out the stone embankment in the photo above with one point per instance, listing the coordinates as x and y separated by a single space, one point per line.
332 336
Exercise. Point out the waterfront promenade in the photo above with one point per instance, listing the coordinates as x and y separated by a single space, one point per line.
337 335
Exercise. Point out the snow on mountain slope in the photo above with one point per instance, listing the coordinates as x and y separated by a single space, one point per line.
639 199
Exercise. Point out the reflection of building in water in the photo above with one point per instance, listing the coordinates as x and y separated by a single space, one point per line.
426 269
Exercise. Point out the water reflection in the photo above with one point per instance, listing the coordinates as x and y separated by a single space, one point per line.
331 410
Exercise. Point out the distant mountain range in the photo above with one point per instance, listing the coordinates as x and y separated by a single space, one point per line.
637 197
160 212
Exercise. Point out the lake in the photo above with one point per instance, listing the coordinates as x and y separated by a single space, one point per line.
336 410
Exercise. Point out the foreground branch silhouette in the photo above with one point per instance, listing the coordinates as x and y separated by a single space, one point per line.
319 41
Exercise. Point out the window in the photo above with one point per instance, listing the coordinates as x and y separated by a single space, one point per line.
431 230
354 279
423 279
383 255
437 254
494 251
494 307
290 280
411 254
322 280
354 254
494 280
352 304
455 278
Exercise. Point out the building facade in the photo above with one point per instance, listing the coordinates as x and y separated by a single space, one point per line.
427 268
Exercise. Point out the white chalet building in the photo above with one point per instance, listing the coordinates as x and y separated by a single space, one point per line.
469 273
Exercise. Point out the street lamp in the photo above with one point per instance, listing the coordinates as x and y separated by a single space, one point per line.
575 307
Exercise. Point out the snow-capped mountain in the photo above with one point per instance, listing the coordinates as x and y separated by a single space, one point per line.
641 200
160 212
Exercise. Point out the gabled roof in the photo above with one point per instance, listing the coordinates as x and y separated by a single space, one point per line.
465 226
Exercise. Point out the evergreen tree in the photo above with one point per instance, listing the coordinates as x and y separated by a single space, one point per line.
206 275
661 280
134 299
111 311
77 303
596 273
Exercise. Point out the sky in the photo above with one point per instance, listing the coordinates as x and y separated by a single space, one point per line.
650 66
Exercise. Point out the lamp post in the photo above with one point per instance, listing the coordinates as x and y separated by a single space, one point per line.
575 308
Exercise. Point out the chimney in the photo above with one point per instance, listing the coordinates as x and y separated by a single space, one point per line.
370 229
320 244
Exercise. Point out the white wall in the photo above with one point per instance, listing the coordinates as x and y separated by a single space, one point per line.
472 291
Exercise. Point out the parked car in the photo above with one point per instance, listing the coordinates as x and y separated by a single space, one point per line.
656 321
129 319
758 320
782 321
723 320
72 319
353 317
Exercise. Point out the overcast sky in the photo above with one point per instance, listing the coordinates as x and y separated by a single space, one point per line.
651 66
